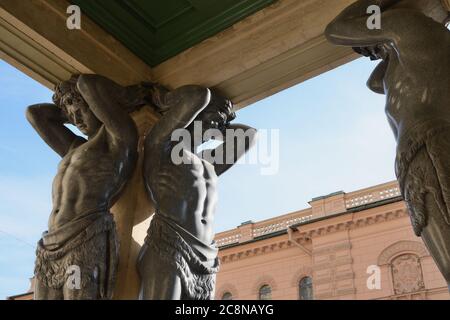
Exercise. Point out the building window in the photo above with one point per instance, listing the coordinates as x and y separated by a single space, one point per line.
305 289
407 274
227 296
265 292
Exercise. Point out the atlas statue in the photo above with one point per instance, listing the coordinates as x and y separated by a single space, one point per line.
413 46
179 257
77 256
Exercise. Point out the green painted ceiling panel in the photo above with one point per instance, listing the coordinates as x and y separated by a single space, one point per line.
156 30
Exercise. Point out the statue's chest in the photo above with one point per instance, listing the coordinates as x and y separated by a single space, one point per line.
399 88
199 173
88 161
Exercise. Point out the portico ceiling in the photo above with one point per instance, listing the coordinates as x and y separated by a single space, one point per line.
156 30
247 49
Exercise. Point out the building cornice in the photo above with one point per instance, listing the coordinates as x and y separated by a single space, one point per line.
322 208
227 254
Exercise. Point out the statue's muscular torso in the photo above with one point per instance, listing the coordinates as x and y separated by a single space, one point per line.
89 177
185 193
416 79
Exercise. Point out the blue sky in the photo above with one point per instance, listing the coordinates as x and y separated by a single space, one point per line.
333 136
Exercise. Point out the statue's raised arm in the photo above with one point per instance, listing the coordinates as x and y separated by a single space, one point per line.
182 105
401 22
350 27
49 122
103 97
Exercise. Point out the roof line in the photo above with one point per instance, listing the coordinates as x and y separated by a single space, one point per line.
295 226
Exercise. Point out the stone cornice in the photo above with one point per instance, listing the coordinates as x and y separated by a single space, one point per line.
260 250
356 223
322 209
242 251
35 39
271 50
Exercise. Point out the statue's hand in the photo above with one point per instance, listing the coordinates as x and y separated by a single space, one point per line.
159 97
365 51
135 97
223 128
48 111
376 52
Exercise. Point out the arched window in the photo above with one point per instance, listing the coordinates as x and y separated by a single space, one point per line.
305 289
227 296
407 274
265 292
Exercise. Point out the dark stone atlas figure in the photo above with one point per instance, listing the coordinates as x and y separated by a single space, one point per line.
81 231
414 74
179 257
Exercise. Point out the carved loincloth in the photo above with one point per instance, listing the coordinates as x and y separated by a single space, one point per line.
195 263
423 167
89 243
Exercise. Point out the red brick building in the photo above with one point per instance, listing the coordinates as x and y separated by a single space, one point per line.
331 251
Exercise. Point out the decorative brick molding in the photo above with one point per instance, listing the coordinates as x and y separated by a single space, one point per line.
300 274
357 223
407 274
228 287
330 206
401 247
305 237
364 197
264 249
264 280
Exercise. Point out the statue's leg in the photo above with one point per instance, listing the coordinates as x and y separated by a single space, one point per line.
42 292
426 200
159 280
436 236
89 290
90 281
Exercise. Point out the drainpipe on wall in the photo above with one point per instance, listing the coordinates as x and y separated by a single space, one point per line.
290 232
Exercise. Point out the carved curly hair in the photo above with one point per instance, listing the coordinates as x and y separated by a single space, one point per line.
134 96
64 87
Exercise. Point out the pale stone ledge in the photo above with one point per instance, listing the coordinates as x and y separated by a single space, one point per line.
276 48
35 39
